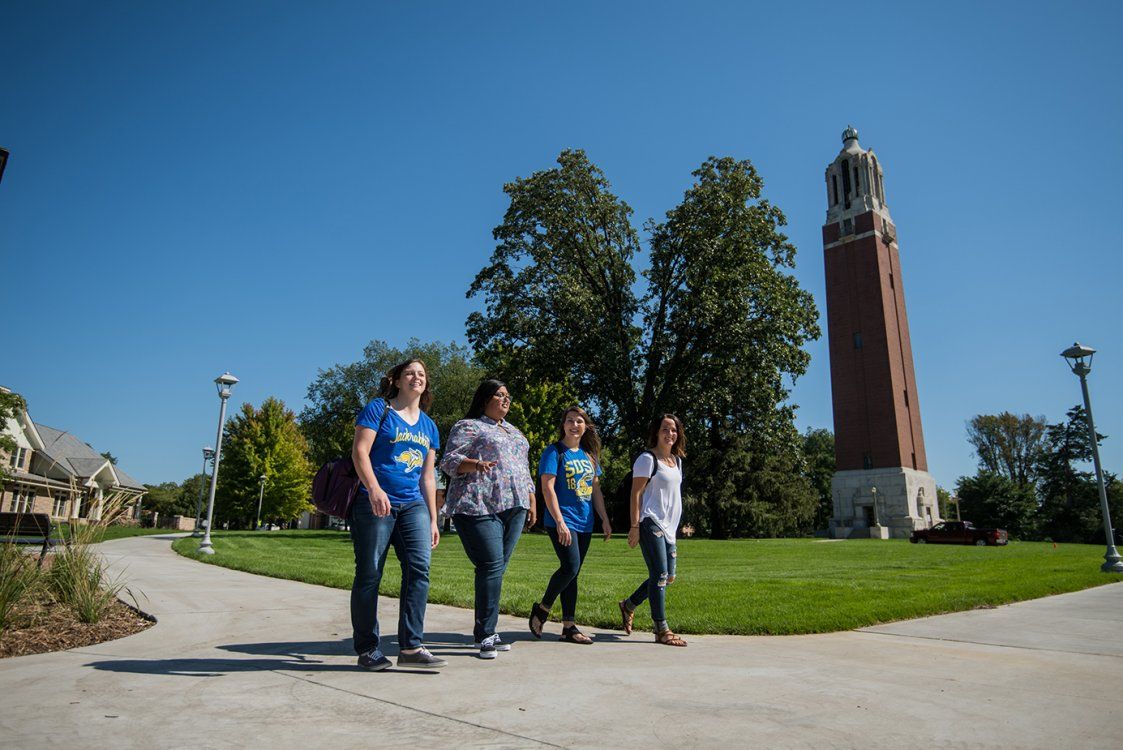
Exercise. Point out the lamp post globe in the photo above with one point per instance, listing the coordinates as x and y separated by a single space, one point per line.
1079 359
225 384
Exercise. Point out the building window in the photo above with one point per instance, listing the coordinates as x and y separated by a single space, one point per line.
846 178
59 510
906 398
914 460
15 460
857 341
891 284
834 189
847 227
867 461
857 182
22 500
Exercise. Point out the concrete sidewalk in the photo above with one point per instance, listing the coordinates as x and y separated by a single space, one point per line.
238 660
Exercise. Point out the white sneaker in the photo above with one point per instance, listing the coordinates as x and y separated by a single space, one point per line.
490 645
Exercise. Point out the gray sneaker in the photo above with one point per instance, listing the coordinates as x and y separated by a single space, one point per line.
495 642
421 659
373 661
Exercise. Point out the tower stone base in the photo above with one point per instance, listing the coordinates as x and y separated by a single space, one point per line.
904 500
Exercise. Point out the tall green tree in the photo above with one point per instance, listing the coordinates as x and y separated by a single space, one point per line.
338 393
991 499
1069 495
265 441
818 453
715 333
1008 444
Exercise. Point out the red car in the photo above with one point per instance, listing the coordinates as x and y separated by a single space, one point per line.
958 532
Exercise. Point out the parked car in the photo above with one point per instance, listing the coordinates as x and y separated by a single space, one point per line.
958 532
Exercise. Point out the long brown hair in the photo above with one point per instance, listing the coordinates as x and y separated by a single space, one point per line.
590 440
387 389
679 448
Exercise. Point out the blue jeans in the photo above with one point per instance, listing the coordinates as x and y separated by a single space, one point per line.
407 528
564 579
489 541
661 557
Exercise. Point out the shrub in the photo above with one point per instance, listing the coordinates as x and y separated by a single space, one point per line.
19 579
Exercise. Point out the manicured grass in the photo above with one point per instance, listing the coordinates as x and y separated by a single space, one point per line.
776 586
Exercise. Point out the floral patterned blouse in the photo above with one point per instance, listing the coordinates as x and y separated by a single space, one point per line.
506 486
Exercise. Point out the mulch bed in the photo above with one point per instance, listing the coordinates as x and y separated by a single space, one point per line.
48 626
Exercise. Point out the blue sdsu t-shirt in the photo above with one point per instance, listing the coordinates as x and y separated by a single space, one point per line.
574 488
399 451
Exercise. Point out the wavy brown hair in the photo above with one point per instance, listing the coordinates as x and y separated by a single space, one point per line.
387 389
679 448
590 441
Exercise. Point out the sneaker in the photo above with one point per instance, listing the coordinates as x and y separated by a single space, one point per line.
420 660
373 661
496 642
487 648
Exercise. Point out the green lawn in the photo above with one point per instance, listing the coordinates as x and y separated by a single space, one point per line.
776 586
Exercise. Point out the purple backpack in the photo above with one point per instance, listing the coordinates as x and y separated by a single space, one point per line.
336 483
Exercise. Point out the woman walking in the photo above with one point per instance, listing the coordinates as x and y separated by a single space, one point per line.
656 509
571 490
394 451
490 496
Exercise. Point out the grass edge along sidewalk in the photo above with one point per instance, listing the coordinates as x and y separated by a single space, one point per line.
737 587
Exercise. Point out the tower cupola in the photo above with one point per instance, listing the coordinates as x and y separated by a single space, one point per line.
855 182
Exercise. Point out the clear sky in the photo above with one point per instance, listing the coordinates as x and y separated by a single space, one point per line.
200 187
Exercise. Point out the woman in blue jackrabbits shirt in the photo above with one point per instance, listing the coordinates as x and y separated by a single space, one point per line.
394 452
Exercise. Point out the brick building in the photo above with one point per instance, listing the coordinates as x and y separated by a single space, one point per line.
52 471
882 486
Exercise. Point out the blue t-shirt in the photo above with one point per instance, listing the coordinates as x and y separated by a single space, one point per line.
399 451
574 488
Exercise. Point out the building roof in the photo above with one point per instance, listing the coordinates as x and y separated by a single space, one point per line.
77 457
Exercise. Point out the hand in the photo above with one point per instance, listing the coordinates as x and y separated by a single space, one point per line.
633 536
531 513
379 502
484 466
564 537
606 527
435 533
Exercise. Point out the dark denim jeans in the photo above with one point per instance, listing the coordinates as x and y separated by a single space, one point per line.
661 557
564 579
407 528
489 541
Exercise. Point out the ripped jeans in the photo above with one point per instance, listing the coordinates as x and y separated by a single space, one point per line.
660 557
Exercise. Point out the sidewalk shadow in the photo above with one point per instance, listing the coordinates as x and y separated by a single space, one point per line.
447 644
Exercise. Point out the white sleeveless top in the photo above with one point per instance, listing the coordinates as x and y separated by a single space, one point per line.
662 498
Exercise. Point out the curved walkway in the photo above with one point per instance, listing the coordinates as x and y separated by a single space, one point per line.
239 660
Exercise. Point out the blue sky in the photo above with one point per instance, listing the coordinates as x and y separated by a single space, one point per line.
200 187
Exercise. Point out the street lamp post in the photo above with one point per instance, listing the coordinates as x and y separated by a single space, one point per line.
261 494
208 454
876 516
225 383
1080 361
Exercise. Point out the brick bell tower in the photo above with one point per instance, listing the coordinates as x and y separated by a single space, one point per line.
882 487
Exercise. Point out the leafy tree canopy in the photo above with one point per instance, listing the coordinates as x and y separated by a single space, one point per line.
1008 444
259 442
714 334
338 393
11 404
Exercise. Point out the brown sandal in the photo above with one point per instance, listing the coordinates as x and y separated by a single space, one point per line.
627 616
668 638
538 617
